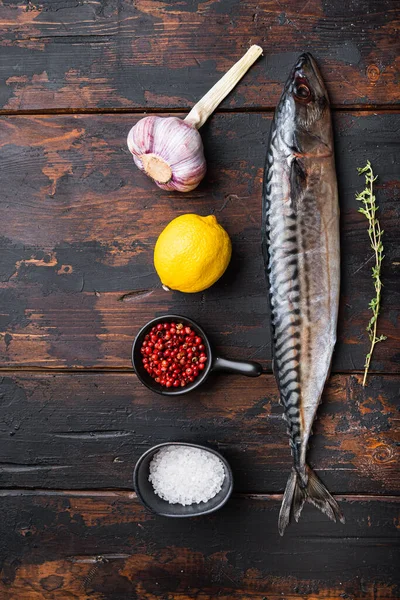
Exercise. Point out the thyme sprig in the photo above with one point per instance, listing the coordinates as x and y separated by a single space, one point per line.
369 209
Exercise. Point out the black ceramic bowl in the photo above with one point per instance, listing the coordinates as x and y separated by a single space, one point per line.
145 492
213 364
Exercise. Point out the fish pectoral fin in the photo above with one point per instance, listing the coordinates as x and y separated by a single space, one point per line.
298 181
312 490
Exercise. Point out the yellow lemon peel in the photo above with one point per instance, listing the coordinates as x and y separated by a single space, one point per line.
192 253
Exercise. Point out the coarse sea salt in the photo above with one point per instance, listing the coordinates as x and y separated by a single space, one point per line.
186 475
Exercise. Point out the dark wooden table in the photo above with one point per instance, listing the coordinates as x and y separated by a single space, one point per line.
78 227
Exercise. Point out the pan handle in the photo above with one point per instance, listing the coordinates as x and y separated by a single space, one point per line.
248 368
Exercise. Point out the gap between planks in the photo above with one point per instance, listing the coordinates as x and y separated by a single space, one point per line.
130 495
129 371
156 110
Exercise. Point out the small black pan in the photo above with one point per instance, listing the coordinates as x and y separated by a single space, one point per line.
213 364
145 491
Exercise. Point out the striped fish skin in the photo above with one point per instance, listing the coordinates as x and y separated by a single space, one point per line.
302 258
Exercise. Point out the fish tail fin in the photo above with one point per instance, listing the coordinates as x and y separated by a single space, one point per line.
314 491
318 495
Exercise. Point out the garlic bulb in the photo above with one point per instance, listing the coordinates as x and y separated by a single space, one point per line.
169 149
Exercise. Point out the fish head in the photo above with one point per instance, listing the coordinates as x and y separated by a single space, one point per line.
306 105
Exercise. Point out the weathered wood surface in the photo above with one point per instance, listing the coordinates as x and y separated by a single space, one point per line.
63 54
79 224
78 228
88 430
105 545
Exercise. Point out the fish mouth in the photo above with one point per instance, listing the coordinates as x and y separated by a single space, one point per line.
307 65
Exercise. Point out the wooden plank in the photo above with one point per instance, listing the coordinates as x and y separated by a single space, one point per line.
80 222
74 55
105 545
88 430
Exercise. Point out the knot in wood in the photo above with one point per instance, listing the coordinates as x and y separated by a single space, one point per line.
373 73
382 454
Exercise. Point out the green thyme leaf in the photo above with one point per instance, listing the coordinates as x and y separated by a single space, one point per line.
375 232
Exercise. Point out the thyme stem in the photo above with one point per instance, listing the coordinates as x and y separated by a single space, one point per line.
375 233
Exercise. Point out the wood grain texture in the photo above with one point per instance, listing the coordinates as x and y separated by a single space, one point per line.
79 224
88 430
78 228
63 54
105 545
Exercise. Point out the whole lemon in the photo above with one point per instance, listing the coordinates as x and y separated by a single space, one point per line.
192 253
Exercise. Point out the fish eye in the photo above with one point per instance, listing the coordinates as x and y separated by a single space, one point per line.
302 91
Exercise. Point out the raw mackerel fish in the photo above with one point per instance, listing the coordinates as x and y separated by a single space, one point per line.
302 259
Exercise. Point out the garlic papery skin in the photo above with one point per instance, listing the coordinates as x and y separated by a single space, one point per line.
169 151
